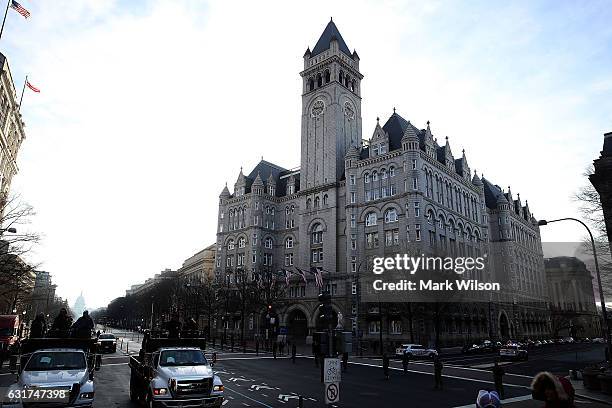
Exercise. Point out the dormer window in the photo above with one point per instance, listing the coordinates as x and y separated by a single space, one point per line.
271 190
382 149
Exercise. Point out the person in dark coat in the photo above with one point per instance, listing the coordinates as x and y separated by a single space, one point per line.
498 375
38 327
62 323
174 327
405 362
385 362
83 327
438 372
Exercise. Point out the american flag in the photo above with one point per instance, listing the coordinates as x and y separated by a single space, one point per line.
32 87
19 8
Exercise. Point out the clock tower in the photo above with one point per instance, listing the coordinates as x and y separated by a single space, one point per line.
331 108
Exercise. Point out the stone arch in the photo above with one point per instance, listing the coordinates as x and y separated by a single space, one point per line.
504 326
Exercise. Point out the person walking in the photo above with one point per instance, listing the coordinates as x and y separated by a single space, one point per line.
438 372
385 362
405 362
293 352
556 392
498 374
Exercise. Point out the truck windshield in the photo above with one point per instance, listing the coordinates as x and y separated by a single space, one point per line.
6 331
56 360
182 358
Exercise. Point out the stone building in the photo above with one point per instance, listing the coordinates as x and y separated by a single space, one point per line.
11 127
398 190
572 300
602 181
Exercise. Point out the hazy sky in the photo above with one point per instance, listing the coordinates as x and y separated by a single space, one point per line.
148 107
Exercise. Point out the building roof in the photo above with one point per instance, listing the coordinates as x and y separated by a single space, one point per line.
396 126
270 171
330 33
607 147
492 193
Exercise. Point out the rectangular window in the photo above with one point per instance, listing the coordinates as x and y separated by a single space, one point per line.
353 198
417 210
288 259
372 240
414 164
353 221
415 183
254 258
353 267
352 179
417 231
374 327
388 238
396 237
396 327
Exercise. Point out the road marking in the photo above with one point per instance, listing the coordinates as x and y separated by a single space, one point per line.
249 398
114 364
505 401
443 375
286 398
258 387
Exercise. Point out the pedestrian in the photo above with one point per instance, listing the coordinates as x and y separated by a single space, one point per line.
191 326
345 361
274 348
38 327
293 352
488 399
556 392
214 358
405 362
385 362
438 372
498 374
83 327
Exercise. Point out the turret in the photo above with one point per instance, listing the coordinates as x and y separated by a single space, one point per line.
271 185
258 186
240 186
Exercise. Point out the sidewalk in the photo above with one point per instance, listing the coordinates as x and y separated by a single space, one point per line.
597 396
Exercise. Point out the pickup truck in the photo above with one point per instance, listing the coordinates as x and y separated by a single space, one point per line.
171 372
53 372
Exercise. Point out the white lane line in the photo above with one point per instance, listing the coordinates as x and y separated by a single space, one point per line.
443 375
249 398
505 401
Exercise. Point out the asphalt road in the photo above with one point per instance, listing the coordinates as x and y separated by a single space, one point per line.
262 381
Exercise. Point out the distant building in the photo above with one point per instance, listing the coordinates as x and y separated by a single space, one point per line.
17 280
572 301
199 267
602 181
11 127
43 294
79 306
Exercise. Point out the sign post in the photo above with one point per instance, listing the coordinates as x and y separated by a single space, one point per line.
331 377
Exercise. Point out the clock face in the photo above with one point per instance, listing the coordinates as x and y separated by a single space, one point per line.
349 111
318 108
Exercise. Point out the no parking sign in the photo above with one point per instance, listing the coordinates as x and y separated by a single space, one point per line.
332 392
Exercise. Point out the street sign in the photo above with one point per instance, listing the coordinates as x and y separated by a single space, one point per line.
331 370
332 393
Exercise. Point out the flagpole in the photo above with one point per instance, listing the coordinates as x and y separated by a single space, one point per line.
5 14
23 91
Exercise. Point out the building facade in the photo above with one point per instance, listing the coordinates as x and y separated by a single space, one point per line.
12 131
353 199
572 300
602 181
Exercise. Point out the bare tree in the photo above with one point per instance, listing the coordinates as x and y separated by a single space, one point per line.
16 276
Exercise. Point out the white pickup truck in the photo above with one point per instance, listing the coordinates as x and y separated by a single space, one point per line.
54 372
415 350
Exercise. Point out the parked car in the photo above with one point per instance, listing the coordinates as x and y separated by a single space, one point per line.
472 349
598 340
415 350
513 352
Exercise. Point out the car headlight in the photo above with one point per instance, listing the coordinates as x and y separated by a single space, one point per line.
160 391
87 395
218 388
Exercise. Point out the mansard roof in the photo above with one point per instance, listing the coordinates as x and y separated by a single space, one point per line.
330 33
396 126
269 171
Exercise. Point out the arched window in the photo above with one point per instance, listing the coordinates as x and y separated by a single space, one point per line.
230 245
325 199
268 243
340 76
366 178
289 242
292 209
317 234
241 242
441 222
371 219
430 217
327 76
308 203
353 85
310 84
391 171
391 215
287 210
374 176
317 202
383 174
346 81
319 80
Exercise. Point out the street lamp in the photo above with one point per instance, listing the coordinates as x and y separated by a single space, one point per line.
601 293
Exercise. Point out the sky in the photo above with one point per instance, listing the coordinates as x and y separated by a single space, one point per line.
147 109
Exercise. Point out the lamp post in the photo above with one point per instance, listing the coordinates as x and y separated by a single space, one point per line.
601 293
